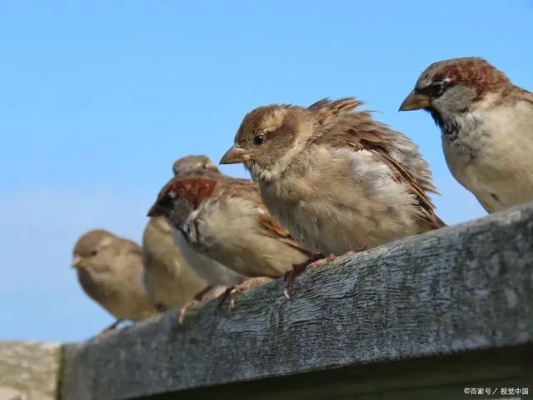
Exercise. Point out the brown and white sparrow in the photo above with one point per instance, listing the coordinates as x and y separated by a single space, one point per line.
168 279
486 127
218 276
110 271
334 177
210 270
224 219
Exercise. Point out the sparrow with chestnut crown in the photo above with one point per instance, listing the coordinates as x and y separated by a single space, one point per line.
223 219
486 127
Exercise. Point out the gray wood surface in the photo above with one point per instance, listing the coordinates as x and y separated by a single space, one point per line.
29 370
463 290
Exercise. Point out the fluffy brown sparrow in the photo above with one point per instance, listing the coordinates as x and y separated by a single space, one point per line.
334 177
224 219
110 272
168 279
487 128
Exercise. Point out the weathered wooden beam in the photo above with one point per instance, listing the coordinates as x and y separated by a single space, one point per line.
29 370
452 307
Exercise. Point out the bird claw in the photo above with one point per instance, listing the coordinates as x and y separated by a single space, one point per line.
198 297
203 293
109 329
184 310
235 291
223 297
315 261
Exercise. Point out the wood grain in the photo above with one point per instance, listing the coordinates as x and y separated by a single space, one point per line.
396 317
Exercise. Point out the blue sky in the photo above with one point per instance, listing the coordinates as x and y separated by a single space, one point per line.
98 98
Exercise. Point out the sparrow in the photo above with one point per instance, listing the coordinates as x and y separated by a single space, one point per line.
224 219
486 125
193 164
210 270
337 179
110 270
218 277
168 279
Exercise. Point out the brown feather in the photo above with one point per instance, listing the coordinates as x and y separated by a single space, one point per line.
274 229
198 189
345 127
194 189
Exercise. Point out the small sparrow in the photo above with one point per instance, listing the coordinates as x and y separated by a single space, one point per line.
193 164
486 127
210 270
334 177
168 279
224 218
110 271
216 275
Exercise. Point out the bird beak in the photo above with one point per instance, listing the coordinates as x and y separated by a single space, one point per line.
155 211
235 155
415 101
77 262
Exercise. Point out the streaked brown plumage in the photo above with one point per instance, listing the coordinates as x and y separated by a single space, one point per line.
224 218
334 177
207 268
486 127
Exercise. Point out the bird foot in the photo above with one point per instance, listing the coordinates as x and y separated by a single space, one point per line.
350 253
109 329
235 291
315 261
202 293
198 297
182 313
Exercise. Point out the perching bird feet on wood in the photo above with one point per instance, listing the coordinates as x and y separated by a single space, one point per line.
198 297
185 309
110 328
316 261
235 291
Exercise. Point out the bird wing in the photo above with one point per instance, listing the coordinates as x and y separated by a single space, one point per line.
343 127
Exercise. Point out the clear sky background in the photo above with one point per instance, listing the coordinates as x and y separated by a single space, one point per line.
98 98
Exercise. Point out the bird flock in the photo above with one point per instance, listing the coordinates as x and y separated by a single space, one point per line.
327 180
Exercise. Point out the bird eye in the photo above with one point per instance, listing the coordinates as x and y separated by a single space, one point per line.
259 140
437 88
94 252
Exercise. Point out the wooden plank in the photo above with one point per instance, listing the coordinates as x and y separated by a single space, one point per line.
442 376
29 370
461 289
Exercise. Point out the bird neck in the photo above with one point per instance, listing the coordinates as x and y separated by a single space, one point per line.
452 126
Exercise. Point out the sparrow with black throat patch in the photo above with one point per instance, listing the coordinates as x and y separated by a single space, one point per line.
486 127
224 219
